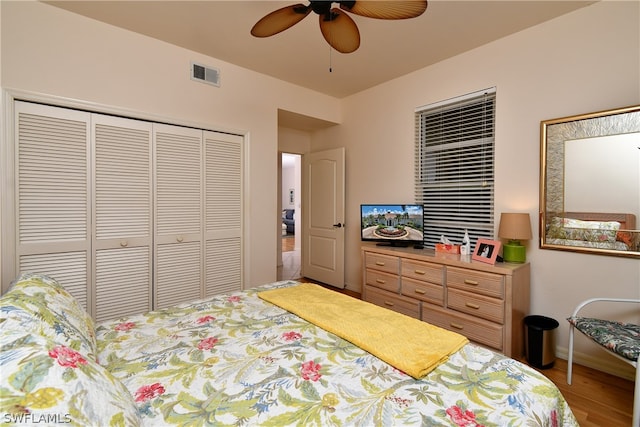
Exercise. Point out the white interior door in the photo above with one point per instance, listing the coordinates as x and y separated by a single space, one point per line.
122 216
53 192
223 195
323 216
178 215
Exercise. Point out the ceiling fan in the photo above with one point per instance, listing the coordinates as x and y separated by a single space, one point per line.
337 28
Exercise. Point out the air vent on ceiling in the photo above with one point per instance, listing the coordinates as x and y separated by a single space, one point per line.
205 74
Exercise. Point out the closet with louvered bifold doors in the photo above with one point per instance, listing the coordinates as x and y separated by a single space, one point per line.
129 215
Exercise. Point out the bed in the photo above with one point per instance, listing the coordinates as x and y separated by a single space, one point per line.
615 231
237 359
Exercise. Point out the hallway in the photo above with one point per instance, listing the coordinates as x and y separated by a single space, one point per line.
291 260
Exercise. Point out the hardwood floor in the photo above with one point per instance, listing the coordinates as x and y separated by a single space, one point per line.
597 399
288 243
291 268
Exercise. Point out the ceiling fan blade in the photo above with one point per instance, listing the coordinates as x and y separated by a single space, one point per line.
279 20
340 31
385 9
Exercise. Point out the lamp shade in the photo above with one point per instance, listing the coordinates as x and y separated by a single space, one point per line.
515 226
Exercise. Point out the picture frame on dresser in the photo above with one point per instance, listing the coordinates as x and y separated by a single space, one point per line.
486 251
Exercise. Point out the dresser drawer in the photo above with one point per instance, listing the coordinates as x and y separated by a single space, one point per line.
423 291
392 301
389 264
419 270
480 282
476 305
478 330
486 303
379 279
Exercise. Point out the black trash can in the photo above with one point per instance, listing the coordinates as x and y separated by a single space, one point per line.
539 341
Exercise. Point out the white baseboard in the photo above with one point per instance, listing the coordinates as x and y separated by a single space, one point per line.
607 363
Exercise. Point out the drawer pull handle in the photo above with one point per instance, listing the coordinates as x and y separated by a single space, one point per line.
420 291
382 282
124 243
420 272
380 263
456 325
389 303
179 239
471 282
472 305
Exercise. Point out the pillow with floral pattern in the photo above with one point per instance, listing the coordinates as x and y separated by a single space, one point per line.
46 383
40 305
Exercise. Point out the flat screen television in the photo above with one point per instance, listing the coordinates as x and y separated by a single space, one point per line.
392 225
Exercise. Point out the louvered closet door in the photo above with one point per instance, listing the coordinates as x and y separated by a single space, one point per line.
52 195
178 214
123 216
223 213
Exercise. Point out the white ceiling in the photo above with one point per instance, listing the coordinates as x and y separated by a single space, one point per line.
300 55
289 160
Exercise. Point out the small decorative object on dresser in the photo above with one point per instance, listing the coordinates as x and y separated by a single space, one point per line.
486 303
486 251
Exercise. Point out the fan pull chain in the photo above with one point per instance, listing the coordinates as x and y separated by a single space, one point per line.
330 59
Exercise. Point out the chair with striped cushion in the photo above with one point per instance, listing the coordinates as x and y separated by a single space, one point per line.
619 339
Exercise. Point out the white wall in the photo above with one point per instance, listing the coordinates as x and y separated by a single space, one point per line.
70 58
288 182
584 186
582 62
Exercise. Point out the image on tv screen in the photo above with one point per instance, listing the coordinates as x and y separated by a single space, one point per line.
391 222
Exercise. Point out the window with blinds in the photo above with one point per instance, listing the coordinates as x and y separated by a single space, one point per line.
455 167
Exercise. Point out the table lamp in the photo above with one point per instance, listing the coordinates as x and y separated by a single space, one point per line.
514 227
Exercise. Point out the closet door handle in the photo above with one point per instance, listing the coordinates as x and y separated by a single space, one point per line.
124 243
179 239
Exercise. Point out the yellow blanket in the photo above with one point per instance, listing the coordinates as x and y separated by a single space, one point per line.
410 345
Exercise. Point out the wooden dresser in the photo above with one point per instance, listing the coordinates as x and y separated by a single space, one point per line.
486 303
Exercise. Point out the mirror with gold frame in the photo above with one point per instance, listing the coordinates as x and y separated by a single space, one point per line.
590 183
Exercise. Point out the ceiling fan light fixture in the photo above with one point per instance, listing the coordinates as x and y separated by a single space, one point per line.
385 9
280 20
340 31
337 28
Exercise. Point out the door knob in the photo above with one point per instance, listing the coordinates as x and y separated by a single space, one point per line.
338 225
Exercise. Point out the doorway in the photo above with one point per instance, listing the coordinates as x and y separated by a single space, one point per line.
290 203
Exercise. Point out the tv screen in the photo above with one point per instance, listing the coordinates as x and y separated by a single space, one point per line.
394 225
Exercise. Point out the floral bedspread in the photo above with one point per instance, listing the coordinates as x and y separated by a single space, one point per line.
238 360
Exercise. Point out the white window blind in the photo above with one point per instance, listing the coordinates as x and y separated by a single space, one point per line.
454 167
